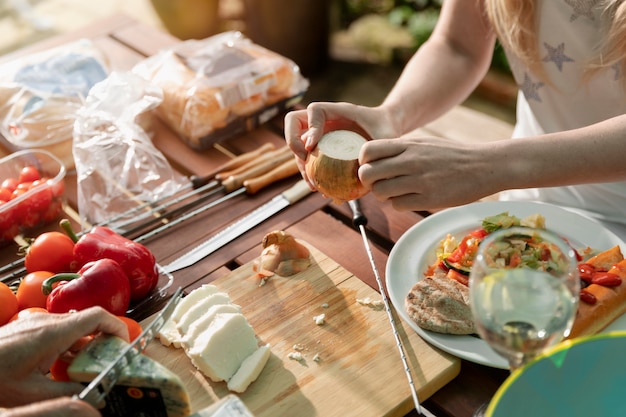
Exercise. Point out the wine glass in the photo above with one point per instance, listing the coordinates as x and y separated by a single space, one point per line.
524 291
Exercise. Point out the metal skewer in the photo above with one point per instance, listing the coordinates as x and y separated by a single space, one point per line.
197 184
359 220
250 186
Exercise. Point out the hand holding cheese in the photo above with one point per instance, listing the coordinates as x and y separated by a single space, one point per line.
29 346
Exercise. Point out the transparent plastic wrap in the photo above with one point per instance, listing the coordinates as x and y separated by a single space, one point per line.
117 165
41 93
221 86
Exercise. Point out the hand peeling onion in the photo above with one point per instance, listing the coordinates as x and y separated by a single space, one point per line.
333 165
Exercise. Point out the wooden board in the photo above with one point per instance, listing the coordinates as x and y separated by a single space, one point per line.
360 372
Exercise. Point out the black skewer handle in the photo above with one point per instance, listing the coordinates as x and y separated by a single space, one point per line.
358 218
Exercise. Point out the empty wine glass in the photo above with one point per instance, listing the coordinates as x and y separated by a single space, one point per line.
524 291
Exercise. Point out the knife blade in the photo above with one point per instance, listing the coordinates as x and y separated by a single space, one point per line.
97 390
236 229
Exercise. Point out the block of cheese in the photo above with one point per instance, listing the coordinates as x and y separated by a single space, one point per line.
223 346
142 378
249 370
204 321
197 310
169 332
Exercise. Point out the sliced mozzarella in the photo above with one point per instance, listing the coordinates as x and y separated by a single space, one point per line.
249 370
203 322
223 346
197 310
169 332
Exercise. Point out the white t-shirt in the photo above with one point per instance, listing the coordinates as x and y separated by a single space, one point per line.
569 34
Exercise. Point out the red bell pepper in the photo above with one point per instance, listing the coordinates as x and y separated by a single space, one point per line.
134 258
100 283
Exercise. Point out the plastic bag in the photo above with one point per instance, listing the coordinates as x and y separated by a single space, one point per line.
221 86
41 93
117 166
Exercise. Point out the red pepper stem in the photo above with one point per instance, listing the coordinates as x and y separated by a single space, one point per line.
46 286
67 228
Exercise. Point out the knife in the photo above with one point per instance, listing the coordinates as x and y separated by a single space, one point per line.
239 227
101 386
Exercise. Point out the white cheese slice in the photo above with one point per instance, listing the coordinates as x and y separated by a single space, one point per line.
203 322
219 351
169 332
142 375
197 310
249 370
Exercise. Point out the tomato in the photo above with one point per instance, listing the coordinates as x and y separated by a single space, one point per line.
8 303
29 174
27 312
459 277
10 184
51 251
29 293
58 369
5 194
134 328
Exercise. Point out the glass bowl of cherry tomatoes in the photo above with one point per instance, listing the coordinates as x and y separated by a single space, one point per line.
32 191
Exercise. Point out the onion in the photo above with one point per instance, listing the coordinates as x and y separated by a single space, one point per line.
332 166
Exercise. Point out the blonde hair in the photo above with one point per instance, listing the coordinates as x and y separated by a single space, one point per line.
514 23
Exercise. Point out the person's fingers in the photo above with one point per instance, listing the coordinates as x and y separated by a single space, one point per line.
38 387
295 125
316 125
58 407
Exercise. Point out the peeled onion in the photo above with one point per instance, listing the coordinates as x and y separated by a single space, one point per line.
332 166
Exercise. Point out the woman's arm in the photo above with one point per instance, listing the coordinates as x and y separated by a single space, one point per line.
427 173
445 70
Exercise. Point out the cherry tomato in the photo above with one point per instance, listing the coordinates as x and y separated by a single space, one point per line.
5 194
29 293
51 251
8 303
10 184
134 328
27 312
29 174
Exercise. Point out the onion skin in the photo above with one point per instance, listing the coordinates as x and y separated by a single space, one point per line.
335 177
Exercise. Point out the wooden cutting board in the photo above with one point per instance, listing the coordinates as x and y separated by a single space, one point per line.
359 373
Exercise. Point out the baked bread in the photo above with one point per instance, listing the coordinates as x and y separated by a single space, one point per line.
441 305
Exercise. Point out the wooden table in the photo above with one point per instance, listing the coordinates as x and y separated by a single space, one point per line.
315 219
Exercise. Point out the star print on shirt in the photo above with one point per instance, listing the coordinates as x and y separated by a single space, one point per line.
617 68
581 8
530 89
557 55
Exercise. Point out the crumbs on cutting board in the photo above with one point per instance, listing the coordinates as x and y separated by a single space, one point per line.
367 301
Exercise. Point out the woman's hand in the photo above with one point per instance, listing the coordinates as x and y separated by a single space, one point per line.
304 128
30 345
427 173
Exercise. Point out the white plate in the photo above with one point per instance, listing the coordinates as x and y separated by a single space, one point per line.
415 250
